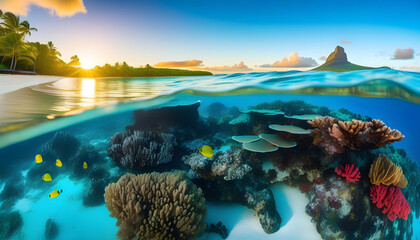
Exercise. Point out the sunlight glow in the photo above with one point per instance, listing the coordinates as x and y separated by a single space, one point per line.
87 64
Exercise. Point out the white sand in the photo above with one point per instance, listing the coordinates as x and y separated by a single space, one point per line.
242 223
73 219
10 83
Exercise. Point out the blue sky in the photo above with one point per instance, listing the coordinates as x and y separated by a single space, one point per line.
224 33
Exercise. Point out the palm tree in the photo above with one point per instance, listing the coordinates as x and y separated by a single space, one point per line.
12 23
26 28
52 50
30 52
12 44
74 61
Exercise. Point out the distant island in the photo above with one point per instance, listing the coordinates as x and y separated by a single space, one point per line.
19 56
337 62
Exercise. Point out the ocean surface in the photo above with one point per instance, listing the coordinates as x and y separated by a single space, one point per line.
74 120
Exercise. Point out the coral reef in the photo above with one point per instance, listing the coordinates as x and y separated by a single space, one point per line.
227 165
391 199
139 149
383 171
51 229
349 172
12 191
156 206
219 228
10 223
86 153
63 145
336 136
263 203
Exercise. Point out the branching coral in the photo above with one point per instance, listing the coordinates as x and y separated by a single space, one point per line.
383 171
156 206
349 172
139 149
391 199
336 136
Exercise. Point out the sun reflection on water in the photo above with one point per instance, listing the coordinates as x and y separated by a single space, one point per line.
87 92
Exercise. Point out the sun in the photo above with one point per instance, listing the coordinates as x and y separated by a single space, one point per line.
86 64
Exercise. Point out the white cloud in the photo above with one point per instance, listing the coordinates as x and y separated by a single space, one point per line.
293 61
407 53
179 64
236 67
323 58
62 8
345 42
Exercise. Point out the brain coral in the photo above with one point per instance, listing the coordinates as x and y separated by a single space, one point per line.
383 171
336 136
156 206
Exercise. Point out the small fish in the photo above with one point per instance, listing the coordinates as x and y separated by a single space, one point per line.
58 163
47 177
206 151
38 158
84 165
55 193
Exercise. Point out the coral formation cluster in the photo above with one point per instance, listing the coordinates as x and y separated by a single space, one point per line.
228 165
156 206
139 149
336 136
391 199
349 172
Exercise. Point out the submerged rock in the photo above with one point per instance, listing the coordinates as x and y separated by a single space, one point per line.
263 203
51 229
10 223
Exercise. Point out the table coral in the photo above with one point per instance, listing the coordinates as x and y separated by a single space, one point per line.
336 136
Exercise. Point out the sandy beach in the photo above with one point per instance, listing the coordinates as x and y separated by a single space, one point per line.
10 83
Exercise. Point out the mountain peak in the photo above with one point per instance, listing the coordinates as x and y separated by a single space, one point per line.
337 57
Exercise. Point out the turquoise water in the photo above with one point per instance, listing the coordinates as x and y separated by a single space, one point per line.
91 111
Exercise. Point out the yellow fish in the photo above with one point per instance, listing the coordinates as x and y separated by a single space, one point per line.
38 158
206 151
58 163
47 177
55 193
84 165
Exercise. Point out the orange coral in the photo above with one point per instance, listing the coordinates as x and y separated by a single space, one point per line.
336 136
384 171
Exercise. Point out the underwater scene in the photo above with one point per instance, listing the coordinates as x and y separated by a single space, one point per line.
273 155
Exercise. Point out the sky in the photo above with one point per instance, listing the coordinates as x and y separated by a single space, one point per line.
232 35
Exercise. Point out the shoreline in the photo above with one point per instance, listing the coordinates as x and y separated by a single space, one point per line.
12 82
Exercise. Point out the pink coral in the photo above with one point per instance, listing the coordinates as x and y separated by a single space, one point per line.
392 200
349 172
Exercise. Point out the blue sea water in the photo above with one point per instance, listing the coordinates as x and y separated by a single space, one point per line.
93 110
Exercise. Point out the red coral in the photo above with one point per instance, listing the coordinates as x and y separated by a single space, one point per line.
392 200
318 180
349 172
